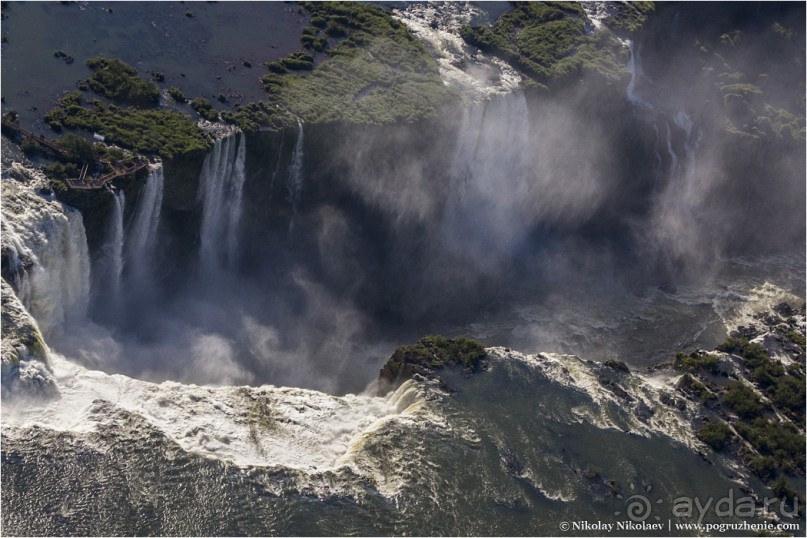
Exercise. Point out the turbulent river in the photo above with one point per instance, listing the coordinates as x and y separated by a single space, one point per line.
236 403
531 442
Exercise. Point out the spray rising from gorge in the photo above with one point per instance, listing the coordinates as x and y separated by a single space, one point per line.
197 350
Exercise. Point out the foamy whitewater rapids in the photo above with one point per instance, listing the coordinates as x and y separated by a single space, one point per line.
296 428
524 443
474 74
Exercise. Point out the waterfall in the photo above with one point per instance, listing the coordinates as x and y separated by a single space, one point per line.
683 121
116 241
687 178
111 263
674 192
488 213
221 189
140 243
19 259
53 262
635 68
295 183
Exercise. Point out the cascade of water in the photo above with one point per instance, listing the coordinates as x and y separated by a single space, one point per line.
18 257
220 189
635 68
486 212
463 68
142 237
235 195
683 121
687 178
114 245
295 183
47 248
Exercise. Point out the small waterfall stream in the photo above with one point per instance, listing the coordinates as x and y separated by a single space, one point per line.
116 242
295 183
109 265
676 196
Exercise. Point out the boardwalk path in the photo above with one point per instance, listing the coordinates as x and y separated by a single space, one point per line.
82 183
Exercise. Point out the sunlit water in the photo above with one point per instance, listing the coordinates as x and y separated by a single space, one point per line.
529 443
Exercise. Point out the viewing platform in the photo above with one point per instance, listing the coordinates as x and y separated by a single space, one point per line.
83 182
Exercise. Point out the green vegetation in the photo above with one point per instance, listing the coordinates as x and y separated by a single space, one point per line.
797 339
296 61
177 95
742 400
253 116
782 490
695 361
204 108
689 385
119 81
754 354
767 440
76 148
61 171
785 388
148 131
630 16
436 351
781 444
715 434
432 353
548 42
373 72
753 102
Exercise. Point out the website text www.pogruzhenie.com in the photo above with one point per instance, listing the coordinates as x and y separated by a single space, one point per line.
694 515
737 527
670 525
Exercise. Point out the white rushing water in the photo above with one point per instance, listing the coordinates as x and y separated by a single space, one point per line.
250 426
220 190
503 183
142 237
680 190
114 248
635 68
294 187
55 288
474 74
482 186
